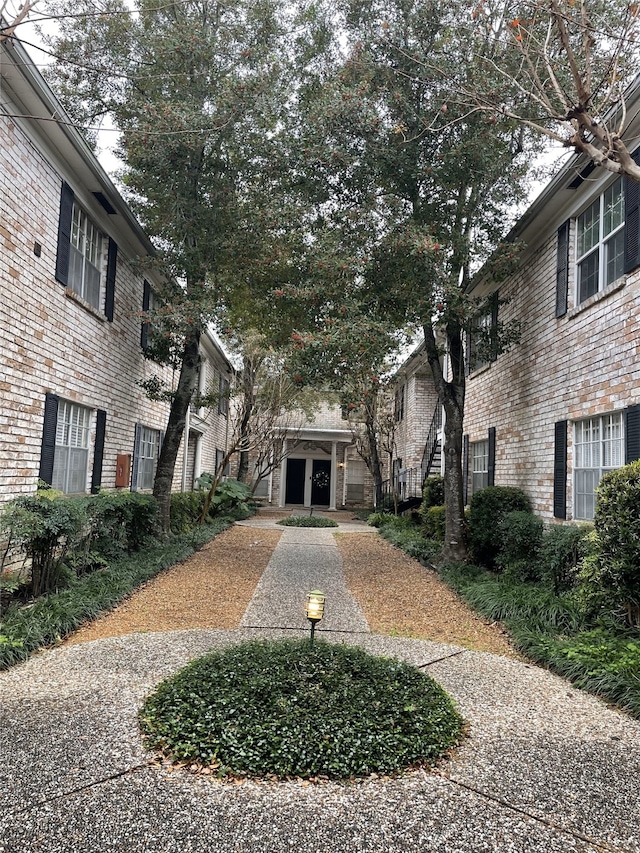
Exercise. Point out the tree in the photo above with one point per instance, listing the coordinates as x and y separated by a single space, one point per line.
561 68
432 196
195 89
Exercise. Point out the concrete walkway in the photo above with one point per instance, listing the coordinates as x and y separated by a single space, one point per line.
546 769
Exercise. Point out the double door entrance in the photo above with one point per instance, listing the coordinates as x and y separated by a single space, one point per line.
319 471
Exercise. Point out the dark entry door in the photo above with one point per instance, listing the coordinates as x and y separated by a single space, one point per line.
320 482
295 481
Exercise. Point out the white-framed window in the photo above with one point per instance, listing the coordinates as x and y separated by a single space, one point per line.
147 451
356 471
71 457
479 465
598 448
85 260
600 242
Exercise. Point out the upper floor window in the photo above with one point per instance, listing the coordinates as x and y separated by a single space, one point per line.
600 242
598 448
223 396
399 403
71 459
482 335
85 258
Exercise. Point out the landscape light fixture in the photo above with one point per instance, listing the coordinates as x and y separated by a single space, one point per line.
315 609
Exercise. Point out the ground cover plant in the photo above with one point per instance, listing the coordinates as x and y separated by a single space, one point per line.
308 521
403 533
285 708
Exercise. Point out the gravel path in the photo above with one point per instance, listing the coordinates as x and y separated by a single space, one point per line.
546 768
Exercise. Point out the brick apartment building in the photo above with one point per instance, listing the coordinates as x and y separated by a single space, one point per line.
72 411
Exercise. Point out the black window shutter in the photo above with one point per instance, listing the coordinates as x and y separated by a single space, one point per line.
64 234
560 470
562 270
110 290
136 458
632 434
632 220
48 449
98 451
467 353
491 463
465 469
146 301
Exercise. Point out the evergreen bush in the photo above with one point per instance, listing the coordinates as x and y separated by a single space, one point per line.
487 508
520 536
617 524
308 521
432 492
434 522
560 554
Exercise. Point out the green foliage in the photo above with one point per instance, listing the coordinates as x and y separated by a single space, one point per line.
521 536
432 492
378 519
560 553
121 522
308 521
50 618
186 510
434 522
46 529
617 523
402 533
487 508
289 709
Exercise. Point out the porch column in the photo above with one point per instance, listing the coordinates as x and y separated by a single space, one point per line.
334 477
283 474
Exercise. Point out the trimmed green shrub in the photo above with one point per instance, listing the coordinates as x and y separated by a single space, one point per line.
402 533
486 510
289 709
520 535
617 523
186 510
560 554
46 528
432 492
434 522
308 521
121 522
51 617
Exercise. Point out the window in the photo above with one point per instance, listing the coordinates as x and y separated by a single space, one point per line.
223 396
356 469
85 257
480 465
598 449
71 457
482 340
219 460
600 242
398 408
146 453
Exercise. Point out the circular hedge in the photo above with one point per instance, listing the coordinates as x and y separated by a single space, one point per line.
287 709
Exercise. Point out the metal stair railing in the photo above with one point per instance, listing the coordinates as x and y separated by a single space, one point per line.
433 441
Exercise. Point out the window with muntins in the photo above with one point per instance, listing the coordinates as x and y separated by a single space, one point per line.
85 258
147 450
598 448
600 242
480 465
71 457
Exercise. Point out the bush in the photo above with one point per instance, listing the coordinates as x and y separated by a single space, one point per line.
308 521
46 528
487 508
377 519
520 535
289 709
432 493
434 522
121 522
186 510
617 523
560 553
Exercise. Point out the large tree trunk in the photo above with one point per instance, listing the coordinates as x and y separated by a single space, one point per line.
451 395
187 383
249 373
374 461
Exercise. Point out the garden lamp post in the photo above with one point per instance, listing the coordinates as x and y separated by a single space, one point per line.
315 609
